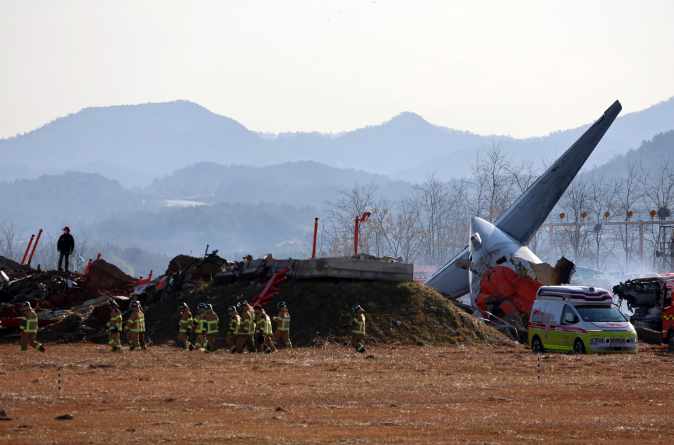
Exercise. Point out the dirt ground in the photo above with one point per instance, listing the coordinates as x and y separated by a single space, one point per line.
391 394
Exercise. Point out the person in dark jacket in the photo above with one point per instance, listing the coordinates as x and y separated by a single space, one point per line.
65 246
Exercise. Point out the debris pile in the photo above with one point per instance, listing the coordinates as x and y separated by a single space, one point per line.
72 302
508 291
7 264
319 294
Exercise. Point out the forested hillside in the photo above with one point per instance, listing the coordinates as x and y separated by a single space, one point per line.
649 155
228 227
295 183
71 198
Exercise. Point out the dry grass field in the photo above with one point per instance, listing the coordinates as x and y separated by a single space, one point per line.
332 395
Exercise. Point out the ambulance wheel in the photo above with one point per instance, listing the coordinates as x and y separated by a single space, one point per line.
536 345
670 341
578 347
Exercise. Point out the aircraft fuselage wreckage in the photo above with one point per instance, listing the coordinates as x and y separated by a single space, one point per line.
497 268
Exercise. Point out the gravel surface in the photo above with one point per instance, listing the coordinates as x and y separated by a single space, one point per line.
390 394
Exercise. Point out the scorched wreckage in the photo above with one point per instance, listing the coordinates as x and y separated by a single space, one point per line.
497 269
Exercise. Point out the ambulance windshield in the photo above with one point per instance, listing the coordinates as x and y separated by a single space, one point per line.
600 314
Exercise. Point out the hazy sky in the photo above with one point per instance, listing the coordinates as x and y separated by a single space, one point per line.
521 68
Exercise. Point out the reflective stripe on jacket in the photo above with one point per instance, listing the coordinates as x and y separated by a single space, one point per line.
186 323
242 327
29 323
198 323
136 324
234 324
133 325
359 325
247 324
212 326
264 325
283 322
115 321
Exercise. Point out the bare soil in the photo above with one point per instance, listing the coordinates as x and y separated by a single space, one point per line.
390 394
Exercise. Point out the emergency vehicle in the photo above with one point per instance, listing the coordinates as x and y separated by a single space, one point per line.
580 320
651 301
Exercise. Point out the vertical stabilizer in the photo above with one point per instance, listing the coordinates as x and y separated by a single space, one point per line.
529 211
526 215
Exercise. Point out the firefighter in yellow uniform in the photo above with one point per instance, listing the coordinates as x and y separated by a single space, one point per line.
212 325
29 328
263 331
282 326
234 321
185 327
200 327
135 326
358 328
141 336
114 326
246 331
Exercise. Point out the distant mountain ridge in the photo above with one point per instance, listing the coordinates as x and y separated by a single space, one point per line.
296 183
72 198
627 132
137 143
650 154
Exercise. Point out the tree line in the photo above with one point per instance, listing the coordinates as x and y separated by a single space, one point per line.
429 223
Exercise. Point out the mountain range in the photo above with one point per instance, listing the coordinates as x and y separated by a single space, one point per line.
136 144
161 179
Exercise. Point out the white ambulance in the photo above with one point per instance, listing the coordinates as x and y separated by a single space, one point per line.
579 319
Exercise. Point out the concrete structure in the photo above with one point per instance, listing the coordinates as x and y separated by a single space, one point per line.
344 268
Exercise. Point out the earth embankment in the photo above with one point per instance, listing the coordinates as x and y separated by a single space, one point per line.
402 313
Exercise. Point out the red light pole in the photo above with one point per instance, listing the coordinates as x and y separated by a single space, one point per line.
364 218
313 251
39 234
30 243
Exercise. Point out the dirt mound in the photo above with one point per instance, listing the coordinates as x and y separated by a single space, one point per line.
404 313
7 264
67 330
103 275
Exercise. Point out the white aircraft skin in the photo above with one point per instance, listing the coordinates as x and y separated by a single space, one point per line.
489 246
515 228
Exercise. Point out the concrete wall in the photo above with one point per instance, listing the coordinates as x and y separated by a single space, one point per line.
344 268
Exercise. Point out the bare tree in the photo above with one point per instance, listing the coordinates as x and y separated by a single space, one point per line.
493 182
574 203
341 216
629 194
432 208
397 229
602 201
11 240
658 189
